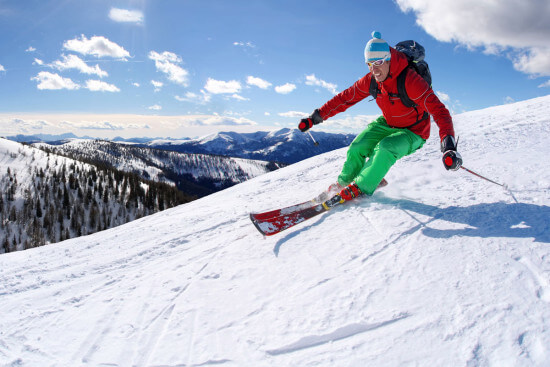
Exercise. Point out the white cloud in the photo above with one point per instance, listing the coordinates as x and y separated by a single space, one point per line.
535 61
166 62
38 62
158 85
454 106
126 16
99 86
96 46
2 68
515 28
294 114
155 107
285 88
220 87
444 97
137 85
84 123
100 125
11 125
239 97
258 82
215 120
30 49
545 84
75 62
312 80
52 81
244 44
127 125
347 124
202 98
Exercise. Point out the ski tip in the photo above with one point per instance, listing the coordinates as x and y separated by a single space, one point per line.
255 222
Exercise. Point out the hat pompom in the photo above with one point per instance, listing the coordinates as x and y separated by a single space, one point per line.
377 35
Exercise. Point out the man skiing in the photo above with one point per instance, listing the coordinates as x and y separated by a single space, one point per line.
399 132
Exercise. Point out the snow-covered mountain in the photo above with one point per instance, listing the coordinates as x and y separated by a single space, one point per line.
437 269
285 145
196 174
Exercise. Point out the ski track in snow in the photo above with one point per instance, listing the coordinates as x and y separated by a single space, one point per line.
344 332
436 269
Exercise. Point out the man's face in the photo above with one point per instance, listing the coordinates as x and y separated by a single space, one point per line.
380 72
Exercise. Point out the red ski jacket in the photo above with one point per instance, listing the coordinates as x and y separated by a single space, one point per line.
395 113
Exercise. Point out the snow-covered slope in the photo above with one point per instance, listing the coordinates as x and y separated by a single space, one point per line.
437 269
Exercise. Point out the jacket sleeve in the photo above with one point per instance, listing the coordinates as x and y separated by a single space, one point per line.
423 95
347 98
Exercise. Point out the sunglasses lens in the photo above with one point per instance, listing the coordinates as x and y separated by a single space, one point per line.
377 62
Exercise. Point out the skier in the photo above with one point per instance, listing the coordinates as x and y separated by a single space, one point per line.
399 132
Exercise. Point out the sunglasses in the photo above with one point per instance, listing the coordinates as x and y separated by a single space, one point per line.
377 62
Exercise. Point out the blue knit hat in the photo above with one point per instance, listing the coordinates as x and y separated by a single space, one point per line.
377 48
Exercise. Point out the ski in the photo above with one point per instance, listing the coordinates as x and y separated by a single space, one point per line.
283 211
275 221
319 199
272 225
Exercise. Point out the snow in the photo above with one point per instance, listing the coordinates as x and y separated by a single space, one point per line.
436 269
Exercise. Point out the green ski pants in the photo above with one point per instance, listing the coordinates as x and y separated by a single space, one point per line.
383 146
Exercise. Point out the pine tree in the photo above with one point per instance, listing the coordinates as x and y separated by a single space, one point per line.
38 208
106 195
6 245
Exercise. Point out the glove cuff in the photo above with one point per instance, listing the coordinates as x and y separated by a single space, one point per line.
448 143
316 117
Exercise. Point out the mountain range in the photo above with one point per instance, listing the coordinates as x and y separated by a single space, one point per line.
285 145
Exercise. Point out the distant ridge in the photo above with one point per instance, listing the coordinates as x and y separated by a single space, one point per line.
284 145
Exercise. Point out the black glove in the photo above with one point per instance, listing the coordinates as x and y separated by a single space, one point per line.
307 123
448 143
452 160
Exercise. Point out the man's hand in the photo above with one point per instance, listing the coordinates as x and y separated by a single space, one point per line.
307 123
452 160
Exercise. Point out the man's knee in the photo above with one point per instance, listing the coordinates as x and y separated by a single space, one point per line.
397 148
358 152
388 148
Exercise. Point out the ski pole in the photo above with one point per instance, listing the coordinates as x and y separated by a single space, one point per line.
496 183
312 138
480 176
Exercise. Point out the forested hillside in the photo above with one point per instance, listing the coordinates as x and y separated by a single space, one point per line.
194 174
47 198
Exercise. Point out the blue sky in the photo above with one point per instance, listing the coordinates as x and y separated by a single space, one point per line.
177 68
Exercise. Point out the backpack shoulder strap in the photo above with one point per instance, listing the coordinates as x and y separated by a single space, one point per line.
402 91
373 88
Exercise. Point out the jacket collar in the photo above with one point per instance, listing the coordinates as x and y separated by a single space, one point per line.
398 62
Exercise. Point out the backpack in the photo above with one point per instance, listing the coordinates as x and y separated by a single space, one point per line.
415 56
